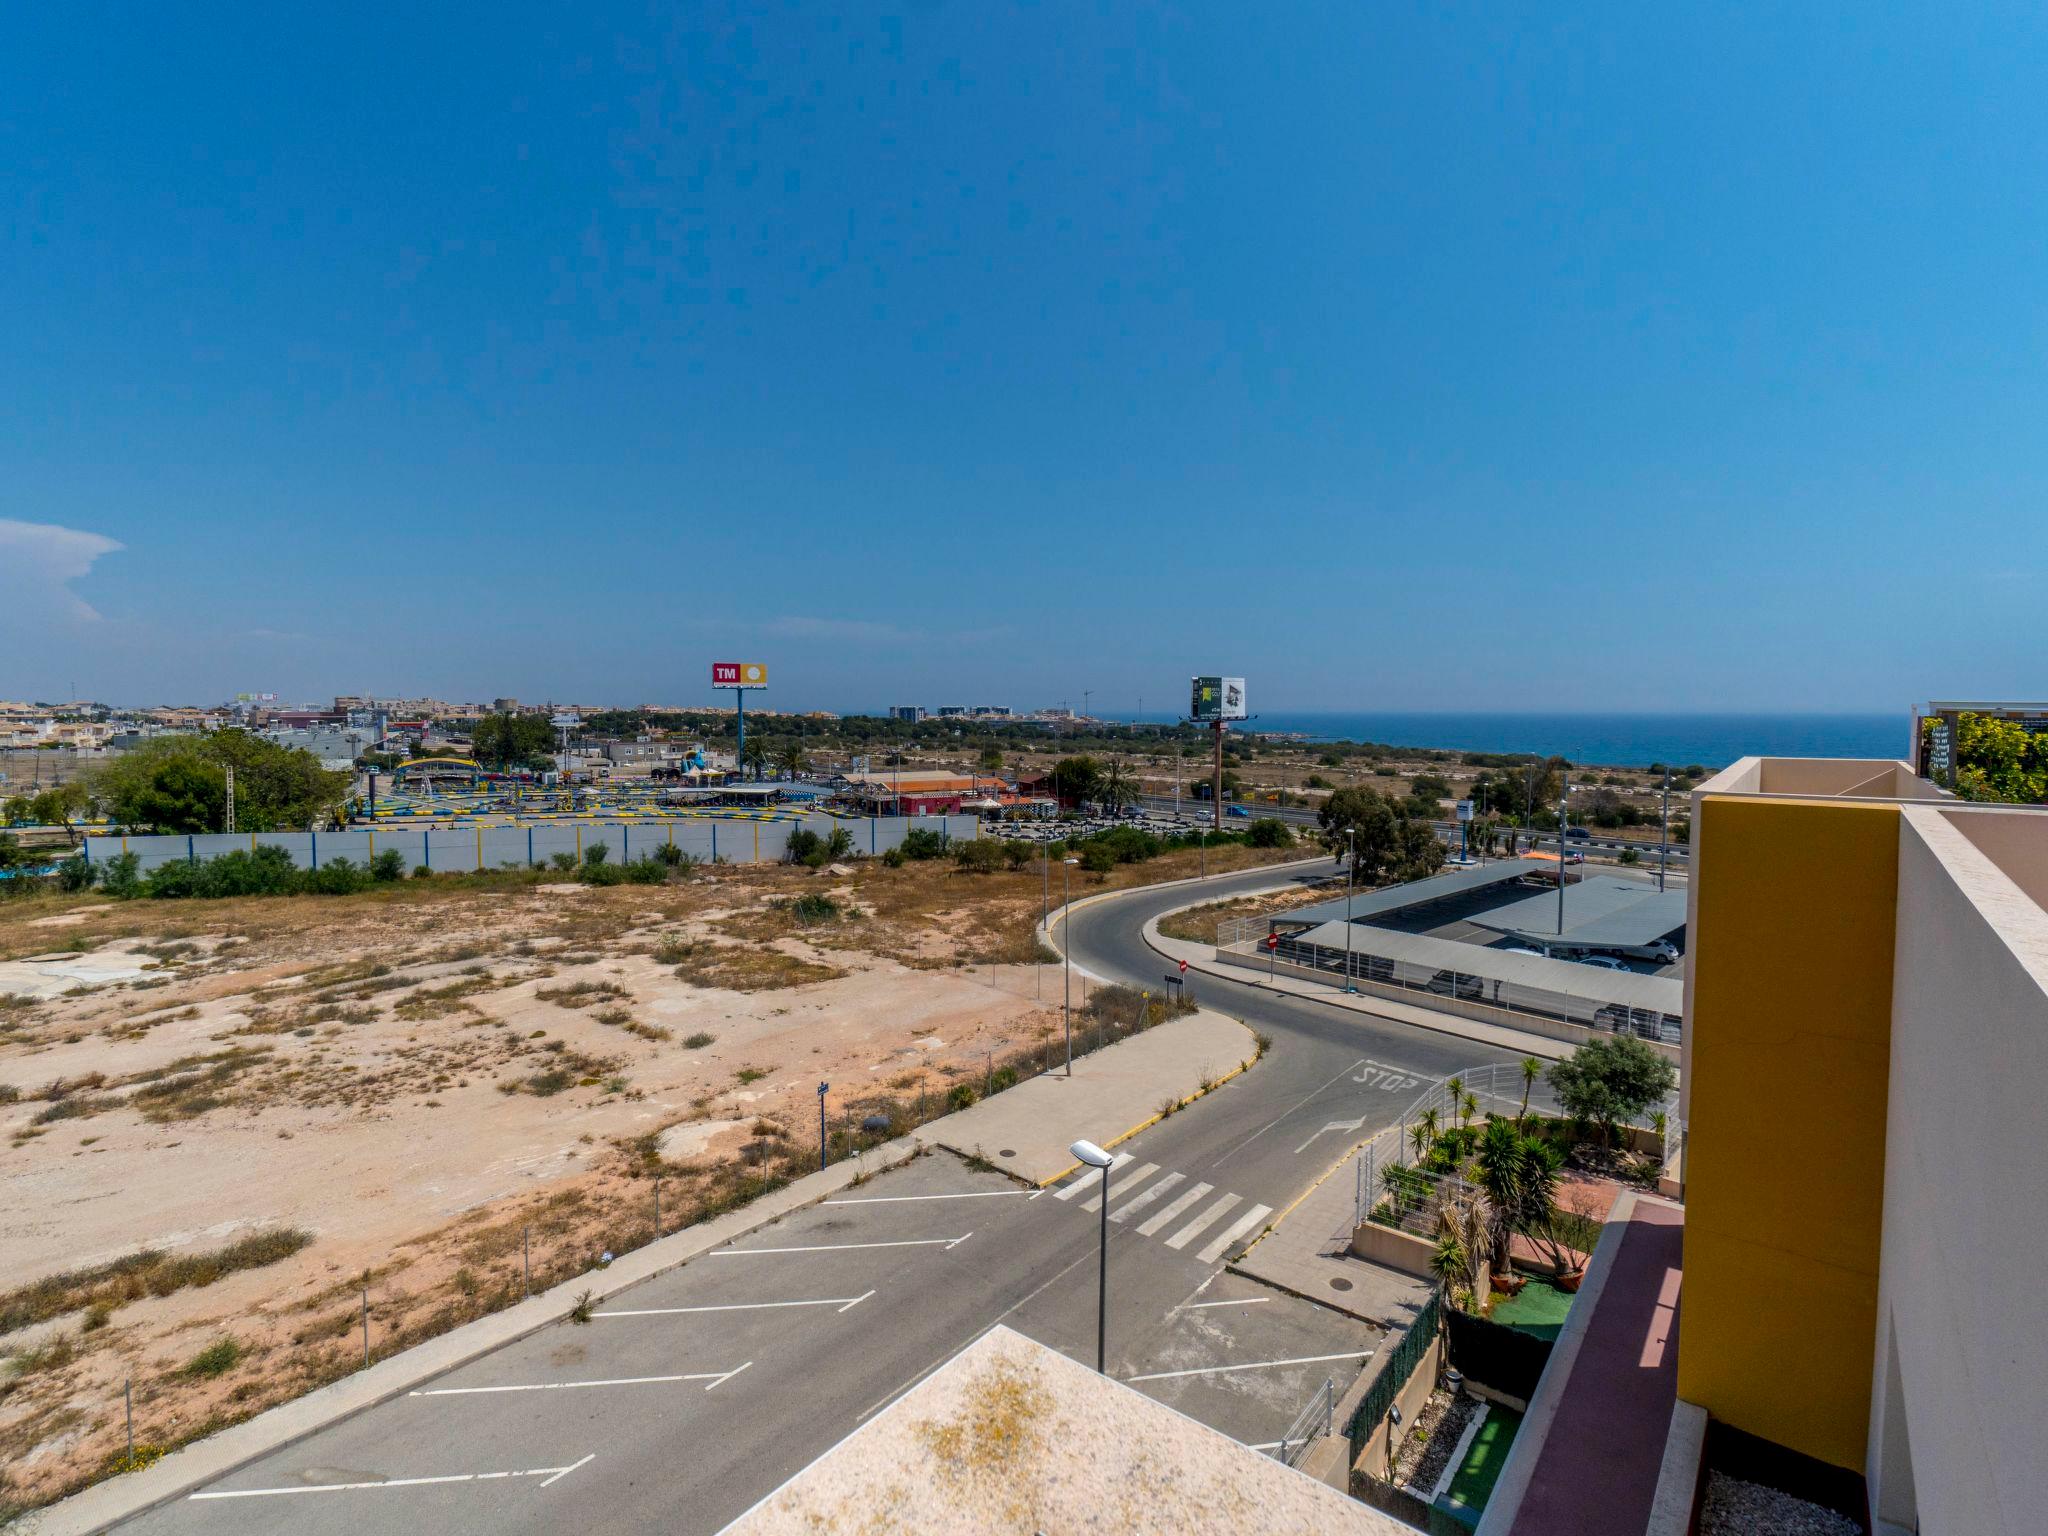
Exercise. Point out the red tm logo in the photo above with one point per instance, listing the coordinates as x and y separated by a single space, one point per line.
725 672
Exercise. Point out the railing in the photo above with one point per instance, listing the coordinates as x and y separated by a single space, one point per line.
1239 930
1310 1425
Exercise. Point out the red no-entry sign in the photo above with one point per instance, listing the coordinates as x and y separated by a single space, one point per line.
1272 941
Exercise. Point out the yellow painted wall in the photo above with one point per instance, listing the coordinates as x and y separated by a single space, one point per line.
1791 953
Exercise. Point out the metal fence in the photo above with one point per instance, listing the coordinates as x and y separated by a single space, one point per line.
465 850
1248 935
1309 1426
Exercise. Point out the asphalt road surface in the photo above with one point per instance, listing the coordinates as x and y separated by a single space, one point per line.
689 1398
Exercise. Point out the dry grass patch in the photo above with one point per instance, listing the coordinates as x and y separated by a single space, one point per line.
746 968
148 1273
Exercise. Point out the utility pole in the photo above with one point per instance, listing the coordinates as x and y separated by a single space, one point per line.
1350 864
231 797
1216 778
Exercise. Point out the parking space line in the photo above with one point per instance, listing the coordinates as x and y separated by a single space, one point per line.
1188 1233
843 1303
1233 1232
1252 1365
1089 1181
1121 1186
1132 1206
728 1376
1146 1229
913 1242
973 1194
714 1377
549 1474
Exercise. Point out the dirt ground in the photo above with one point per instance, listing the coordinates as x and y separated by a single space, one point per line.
222 1119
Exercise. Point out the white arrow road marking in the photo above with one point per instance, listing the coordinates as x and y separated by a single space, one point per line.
714 1377
1254 1365
549 1475
1334 1125
915 1242
843 1303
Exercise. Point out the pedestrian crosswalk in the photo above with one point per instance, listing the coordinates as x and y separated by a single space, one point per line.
1189 1216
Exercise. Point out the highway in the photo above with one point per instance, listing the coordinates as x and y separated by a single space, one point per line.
689 1398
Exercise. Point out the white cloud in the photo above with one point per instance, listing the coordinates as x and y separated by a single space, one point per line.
38 563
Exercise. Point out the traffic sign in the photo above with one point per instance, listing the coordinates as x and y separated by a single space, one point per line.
1183 967
1173 980
1272 941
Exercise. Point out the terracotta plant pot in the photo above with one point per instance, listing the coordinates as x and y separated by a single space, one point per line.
1509 1284
1570 1281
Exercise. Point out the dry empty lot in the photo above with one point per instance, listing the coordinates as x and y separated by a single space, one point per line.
219 1120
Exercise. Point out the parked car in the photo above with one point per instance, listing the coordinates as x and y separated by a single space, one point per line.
1664 952
1602 962
1457 984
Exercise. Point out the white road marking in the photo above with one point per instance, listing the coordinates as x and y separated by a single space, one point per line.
550 1482
728 1376
1187 1233
1231 1234
1091 1179
843 1303
550 1474
1253 1365
1147 1228
1245 1301
976 1194
913 1242
1120 1186
1255 1135
1334 1125
714 1377
1131 1207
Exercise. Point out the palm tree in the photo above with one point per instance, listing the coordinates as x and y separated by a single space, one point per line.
790 758
1448 1263
1119 786
1429 1126
1468 1109
1419 1136
1531 1070
1455 1088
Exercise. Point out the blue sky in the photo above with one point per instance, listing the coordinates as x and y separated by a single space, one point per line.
1396 356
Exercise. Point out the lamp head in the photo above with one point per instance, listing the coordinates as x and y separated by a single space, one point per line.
1091 1154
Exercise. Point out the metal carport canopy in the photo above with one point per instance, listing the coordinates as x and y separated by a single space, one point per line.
1398 898
1661 994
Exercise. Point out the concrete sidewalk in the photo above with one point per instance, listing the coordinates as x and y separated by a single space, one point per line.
1202 958
1307 1253
1114 1094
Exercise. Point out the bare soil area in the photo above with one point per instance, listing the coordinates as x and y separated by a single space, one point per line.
220 1121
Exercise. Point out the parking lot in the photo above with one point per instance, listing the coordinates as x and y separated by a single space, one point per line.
685 1399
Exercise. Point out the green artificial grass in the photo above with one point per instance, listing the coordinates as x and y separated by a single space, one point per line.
1484 1457
1540 1310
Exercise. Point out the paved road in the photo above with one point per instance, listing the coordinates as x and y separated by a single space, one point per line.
689 1398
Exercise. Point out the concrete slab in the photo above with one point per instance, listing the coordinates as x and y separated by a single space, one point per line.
1114 1094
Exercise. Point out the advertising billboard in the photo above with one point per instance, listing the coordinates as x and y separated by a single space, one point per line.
738 674
1217 698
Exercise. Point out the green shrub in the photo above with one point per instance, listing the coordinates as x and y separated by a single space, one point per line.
595 855
1097 859
422 871
1270 832
814 908
924 843
75 874
960 1096
979 855
388 865
336 877
893 858
216 1359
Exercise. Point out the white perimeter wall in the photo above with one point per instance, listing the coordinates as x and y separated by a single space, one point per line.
1961 1368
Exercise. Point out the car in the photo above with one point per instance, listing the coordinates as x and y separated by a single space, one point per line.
1602 962
1577 834
1238 810
1664 952
1536 952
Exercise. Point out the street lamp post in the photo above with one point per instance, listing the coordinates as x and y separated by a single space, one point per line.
823 1089
1089 1153
1350 865
1564 796
1664 832
1067 954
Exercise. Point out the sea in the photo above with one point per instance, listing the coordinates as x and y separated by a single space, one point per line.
1605 741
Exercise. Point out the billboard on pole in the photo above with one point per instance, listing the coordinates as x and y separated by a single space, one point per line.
1217 698
738 674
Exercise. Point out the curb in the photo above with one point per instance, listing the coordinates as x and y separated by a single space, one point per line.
1179 1105
123 1497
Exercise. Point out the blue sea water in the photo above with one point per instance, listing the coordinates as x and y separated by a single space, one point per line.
1610 741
